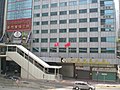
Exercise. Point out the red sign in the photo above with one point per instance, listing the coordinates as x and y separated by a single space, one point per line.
19 25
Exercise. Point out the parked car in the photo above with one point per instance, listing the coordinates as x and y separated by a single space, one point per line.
81 85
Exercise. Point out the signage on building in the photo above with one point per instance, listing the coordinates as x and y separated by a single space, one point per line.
85 61
19 25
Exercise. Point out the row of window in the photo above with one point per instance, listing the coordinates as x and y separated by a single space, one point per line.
63 4
110 39
70 30
83 20
93 10
74 50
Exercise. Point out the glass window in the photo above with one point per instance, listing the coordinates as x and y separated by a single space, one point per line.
37 15
72 39
94 29
54 5
83 11
107 21
53 30
93 1
107 12
37 7
35 49
53 22
108 3
44 31
45 6
53 40
72 3
82 50
83 20
44 14
43 49
36 0
62 50
44 22
35 31
62 21
36 23
72 50
53 13
53 49
82 2
93 50
93 19
62 30
72 29
93 39
35 40
82 29
72 20
63 4
73 12
108 39
93 10
44 40
62 39
63 12
83 39
107 50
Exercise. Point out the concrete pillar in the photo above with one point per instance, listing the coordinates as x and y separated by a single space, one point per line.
0 65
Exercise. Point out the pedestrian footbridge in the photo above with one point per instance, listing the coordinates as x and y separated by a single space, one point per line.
32 67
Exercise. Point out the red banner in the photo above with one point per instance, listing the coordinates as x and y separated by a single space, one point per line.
19 25
67 44
56 44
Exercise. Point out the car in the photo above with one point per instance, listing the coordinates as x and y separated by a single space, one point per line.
81 85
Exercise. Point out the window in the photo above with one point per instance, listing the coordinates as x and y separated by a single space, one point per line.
52 49
93 10
83 20
62 50
72 50
44 40
37 15
53 30
36 23
43 49
45 6
72 3
82 29
93 50
37 7
82 50
73 30
93 39
83 39
83 11
35 40
72 39
62 30
35 49
62 39
53 40
35 31
73 12
53 13
107 29
93 19
107 21
110 39
107 50
36 0
44 14
63 12
62 21
94 29
44 22
44 31
82 2
72 20
63 4
53 22
93 1
53 5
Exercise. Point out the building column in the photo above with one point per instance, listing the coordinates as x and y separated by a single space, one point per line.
0 66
